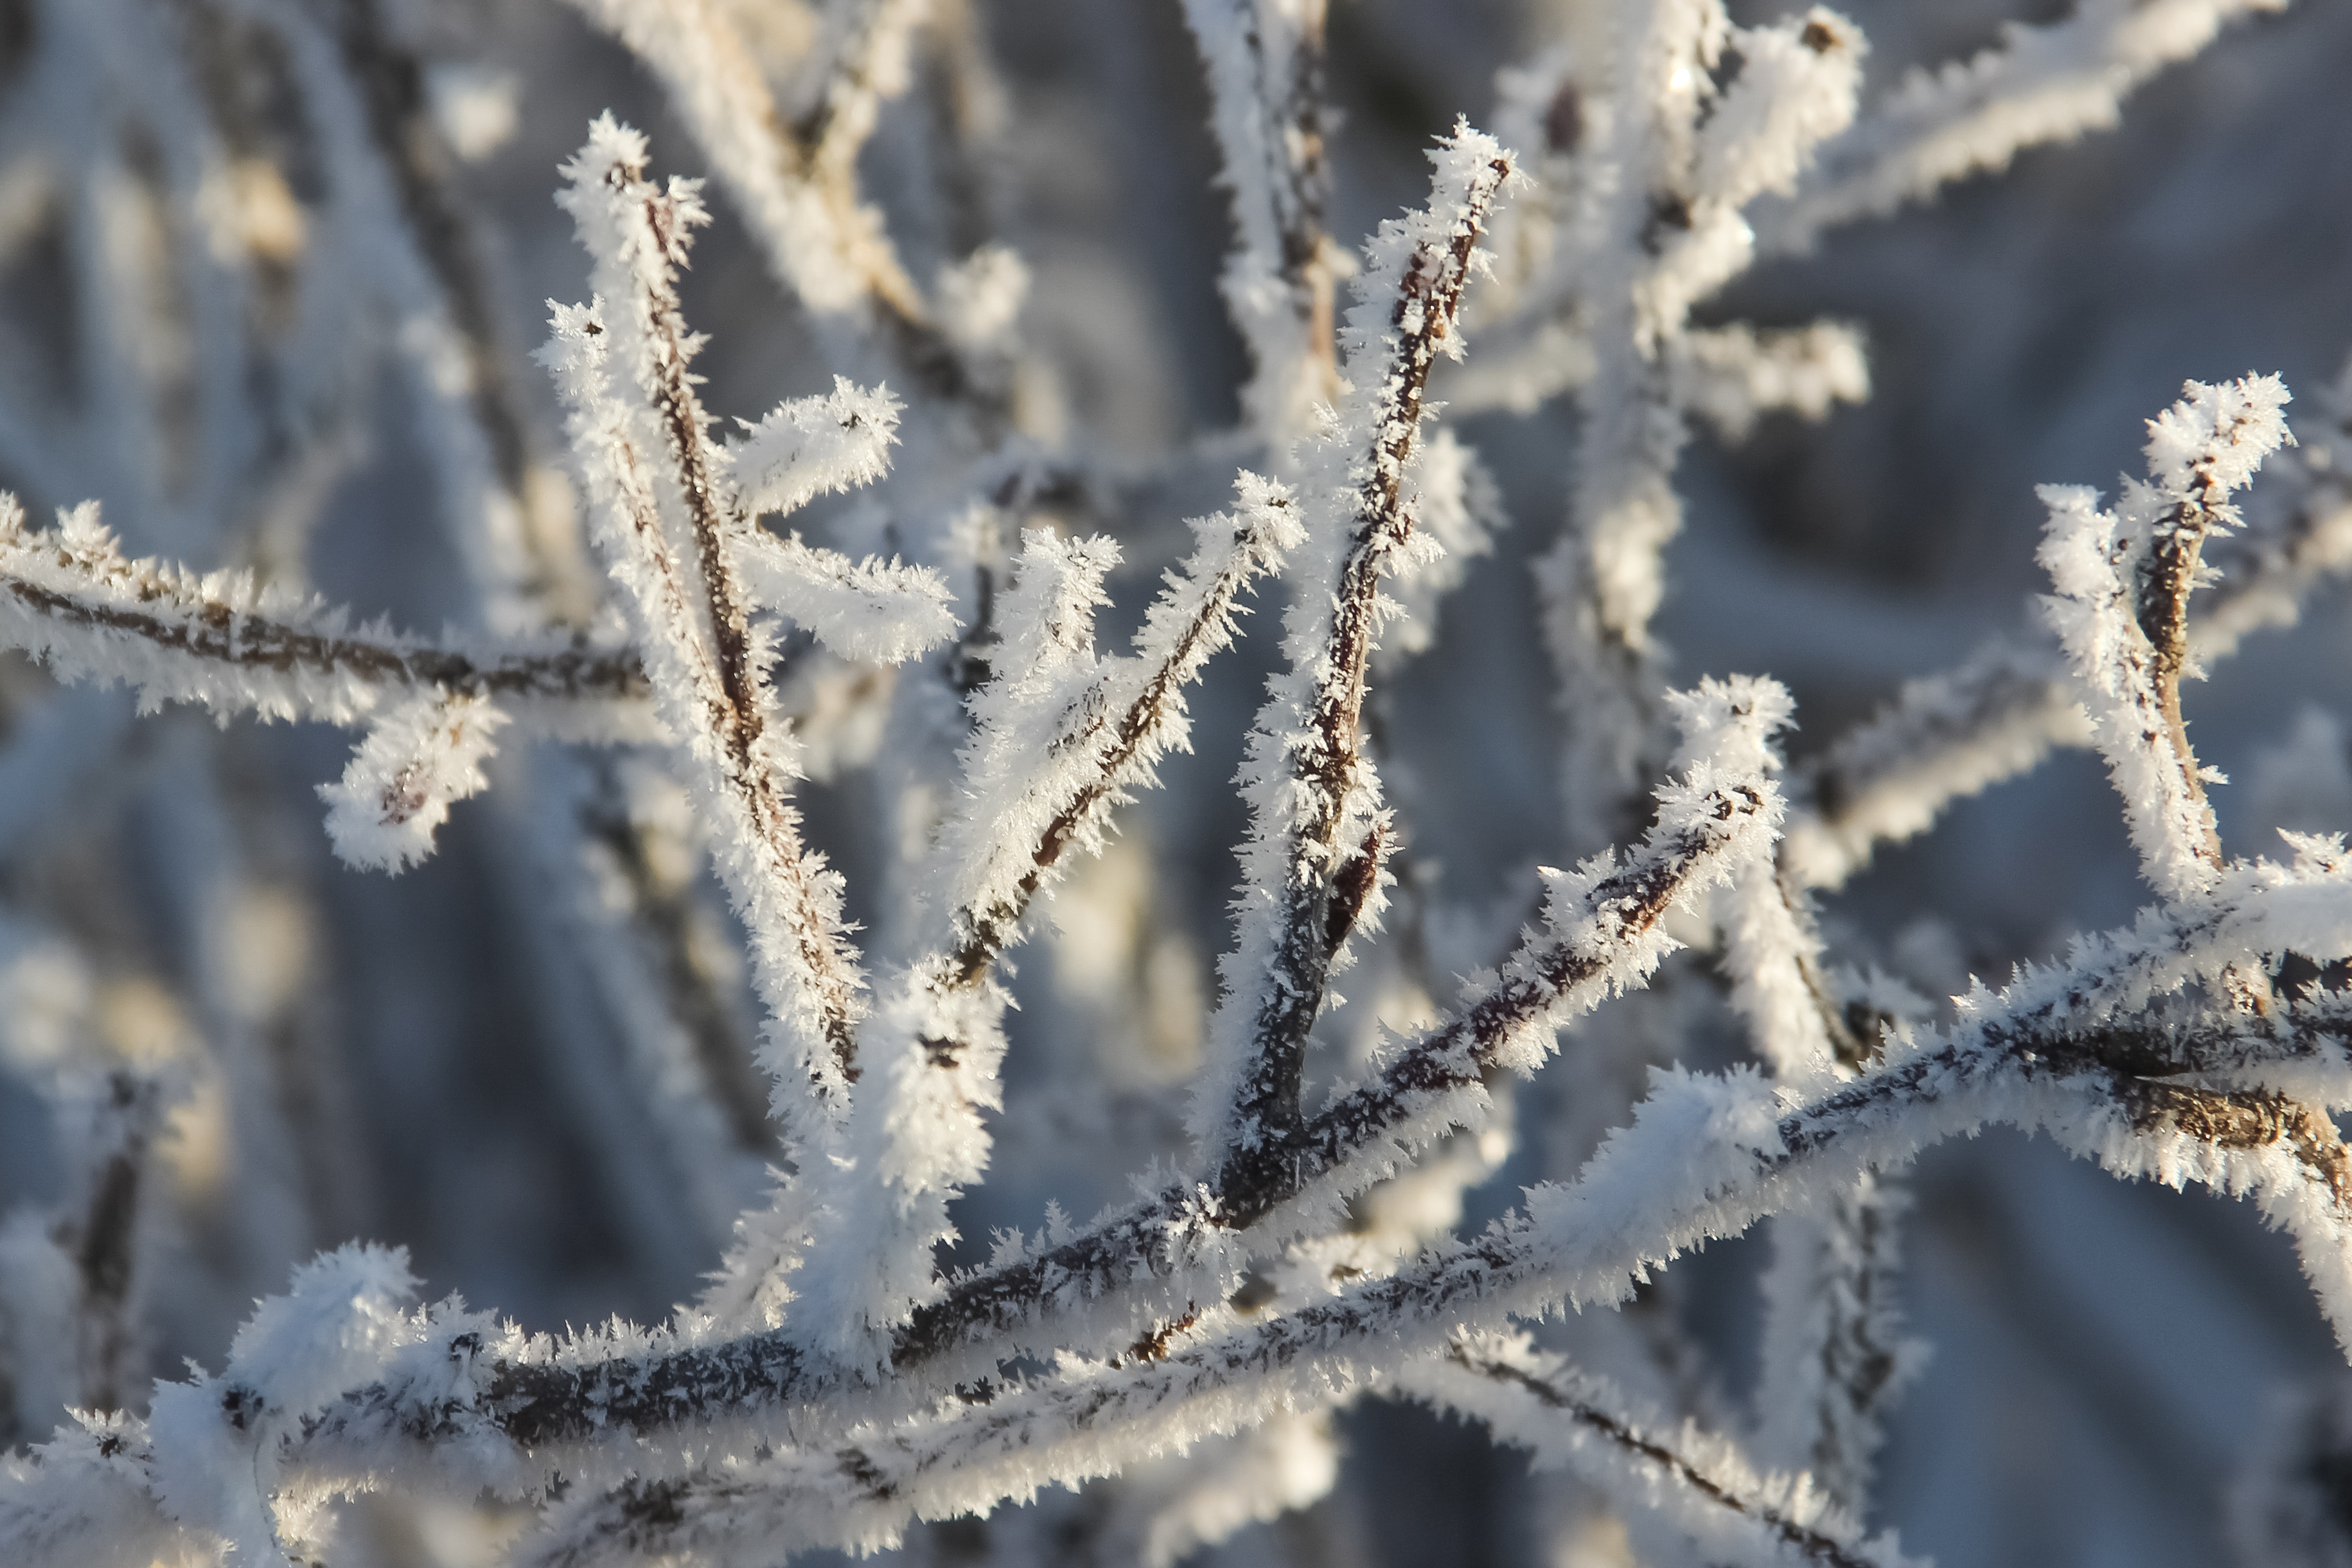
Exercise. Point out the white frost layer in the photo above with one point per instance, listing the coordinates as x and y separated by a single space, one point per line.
2039 85
415 760
69 597
2102 565
814 447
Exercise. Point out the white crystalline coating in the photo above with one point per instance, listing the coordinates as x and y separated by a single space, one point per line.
1729 724
869 610
1770 946
1796 89
1949 736
415 761
708 1441
1731 376
85 1499
815 447
1835 1357
1251 50
1061 736
69 597
1311 813
2208 445
915 1135
830 254
1657 226
1066 734
665 544
2041 84
2205 447
338 1327
1944 738
1667 1477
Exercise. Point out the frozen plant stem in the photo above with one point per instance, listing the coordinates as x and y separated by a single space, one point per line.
1312 867
665 512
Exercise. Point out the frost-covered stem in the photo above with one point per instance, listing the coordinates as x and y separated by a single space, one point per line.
1599 583
1706 1158
1949 735
664 535
1096 1419
1828 1364
820 241
1123 726
2040 84
1696 1483
1942 738
2122 582
1061 738
1265 66
1835 1356
70 598
1603 936
1771 949
1311 868
1677 161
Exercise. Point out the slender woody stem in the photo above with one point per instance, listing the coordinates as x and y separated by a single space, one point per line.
214 631
1329 882
1562 1400
1429 1087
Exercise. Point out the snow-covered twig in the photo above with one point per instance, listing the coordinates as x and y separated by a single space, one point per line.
1698 1484
2042 84
1264 62
2122 582
68 596
1834 1355
1138 1267
666 517
1949 735
1311 869
1674 163
794 180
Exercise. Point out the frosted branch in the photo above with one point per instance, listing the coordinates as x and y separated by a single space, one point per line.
69 597
417 759
1835 1357
665 513
1264 64
1061 738
869 612
794 182
1673 166
1951 736
1311 866
1732 376
1697 1484
2122 582
1138 1267
2040 85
